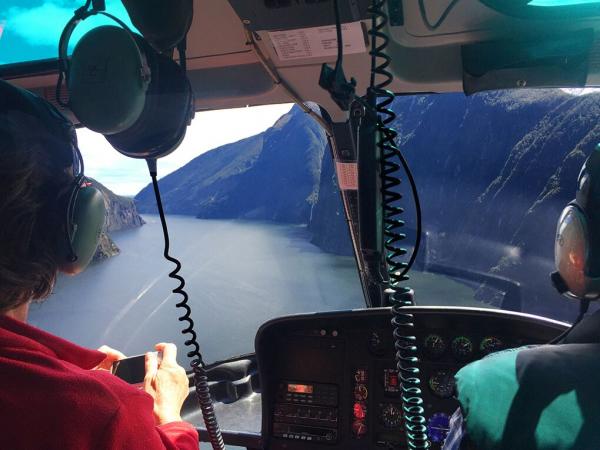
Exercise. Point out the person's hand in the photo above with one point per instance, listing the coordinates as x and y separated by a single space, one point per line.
112 355
167 383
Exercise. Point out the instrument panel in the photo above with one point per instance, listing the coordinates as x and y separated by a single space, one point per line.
329 380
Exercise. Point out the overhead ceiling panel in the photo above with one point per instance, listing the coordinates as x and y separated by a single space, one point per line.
289 14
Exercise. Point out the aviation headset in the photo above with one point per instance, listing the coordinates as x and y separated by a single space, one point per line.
85 210
139 99
577 244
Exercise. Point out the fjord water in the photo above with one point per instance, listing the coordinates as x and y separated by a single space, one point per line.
239 274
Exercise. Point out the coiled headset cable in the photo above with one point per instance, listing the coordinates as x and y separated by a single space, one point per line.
434 26
399 296
197 363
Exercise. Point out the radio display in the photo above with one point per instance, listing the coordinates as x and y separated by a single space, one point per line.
300 388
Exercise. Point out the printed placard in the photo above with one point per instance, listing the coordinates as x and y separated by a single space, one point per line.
316 42
347 174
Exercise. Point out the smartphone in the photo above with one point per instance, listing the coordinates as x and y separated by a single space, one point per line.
133 369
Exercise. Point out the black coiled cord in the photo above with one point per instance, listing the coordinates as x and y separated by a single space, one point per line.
197 363
399 296
434 26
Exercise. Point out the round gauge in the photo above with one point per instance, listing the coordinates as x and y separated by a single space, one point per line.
462 347
391 415
438 426
435 345
360 392
442 384
491 344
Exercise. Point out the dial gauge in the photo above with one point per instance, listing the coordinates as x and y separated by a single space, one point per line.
491 344
391 415
441 384
435 345
462 347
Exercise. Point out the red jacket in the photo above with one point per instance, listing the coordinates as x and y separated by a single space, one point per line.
50 399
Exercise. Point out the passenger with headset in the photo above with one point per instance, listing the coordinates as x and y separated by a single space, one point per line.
545 397
131 91
50 396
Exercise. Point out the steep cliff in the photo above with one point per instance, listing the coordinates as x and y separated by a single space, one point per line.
494 176
274 175
121 214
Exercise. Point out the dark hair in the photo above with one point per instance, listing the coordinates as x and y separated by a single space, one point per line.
34 184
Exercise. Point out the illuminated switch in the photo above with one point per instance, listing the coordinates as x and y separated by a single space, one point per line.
391 382
359 411
360 376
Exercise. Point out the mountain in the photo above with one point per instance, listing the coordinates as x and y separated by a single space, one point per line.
494 176
121 214
274 175
474 137
493 171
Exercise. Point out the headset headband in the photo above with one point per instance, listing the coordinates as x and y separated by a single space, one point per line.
138 98
65 37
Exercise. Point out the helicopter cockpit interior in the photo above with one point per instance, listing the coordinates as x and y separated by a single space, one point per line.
367 75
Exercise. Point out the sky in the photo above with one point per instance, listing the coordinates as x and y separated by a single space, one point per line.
210 129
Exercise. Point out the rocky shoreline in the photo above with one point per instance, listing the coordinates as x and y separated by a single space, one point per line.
121 214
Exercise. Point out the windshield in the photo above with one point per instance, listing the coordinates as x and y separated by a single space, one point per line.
259 225
494 172
247 219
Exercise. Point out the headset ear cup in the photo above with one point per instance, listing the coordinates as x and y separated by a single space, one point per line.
571 249
87 222
107 80
166 114
163 23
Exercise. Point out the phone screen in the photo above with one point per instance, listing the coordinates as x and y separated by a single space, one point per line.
131 370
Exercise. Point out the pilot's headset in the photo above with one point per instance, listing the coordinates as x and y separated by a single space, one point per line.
577 244
121 87
83 205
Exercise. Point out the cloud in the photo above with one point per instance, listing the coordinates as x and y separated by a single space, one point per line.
43 24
